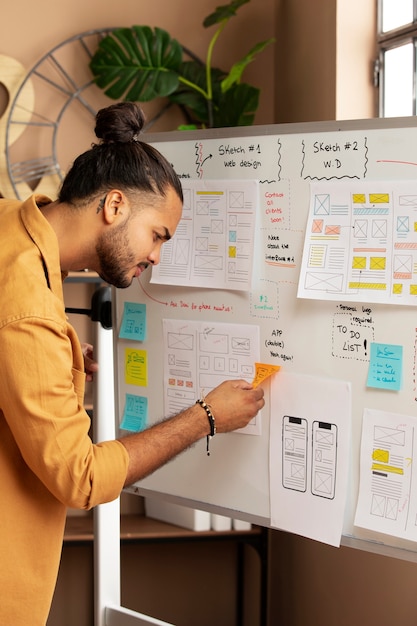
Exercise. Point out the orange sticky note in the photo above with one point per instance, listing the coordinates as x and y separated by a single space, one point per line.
263 371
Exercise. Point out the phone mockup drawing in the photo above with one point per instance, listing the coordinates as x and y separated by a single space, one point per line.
323 459
294 453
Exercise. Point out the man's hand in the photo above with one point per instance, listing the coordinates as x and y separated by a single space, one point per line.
234 403
90 365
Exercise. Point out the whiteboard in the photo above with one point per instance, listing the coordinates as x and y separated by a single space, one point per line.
302 334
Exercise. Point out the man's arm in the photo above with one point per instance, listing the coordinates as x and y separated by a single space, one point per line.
233 404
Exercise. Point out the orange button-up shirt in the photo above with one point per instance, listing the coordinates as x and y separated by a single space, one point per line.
47 460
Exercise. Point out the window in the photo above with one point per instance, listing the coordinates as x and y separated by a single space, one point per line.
395 70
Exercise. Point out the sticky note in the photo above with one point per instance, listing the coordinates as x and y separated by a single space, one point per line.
263 371
135 414
133 321
136 367
385 366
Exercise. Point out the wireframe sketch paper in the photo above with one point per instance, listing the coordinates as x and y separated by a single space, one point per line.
387 501
309 455
361 242
198 356
214 242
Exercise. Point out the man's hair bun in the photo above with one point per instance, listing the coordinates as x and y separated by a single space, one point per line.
121 122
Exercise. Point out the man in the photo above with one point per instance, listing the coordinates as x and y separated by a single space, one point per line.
118 204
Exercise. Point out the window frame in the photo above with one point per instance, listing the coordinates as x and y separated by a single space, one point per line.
387 41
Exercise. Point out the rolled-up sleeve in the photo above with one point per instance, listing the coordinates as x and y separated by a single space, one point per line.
41 397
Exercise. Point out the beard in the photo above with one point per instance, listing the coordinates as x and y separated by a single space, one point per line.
115 256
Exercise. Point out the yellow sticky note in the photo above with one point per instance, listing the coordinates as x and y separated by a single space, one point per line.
263 371
136 367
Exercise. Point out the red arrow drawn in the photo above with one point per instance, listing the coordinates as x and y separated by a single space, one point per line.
148 295
402 162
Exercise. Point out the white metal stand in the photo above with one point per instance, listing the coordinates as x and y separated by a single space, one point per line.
108 611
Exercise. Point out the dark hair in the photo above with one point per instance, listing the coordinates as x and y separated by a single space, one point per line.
120 159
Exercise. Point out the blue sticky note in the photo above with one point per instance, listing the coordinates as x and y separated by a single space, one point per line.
385 366
135 414
133 321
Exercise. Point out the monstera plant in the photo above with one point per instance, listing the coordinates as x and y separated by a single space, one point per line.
140 63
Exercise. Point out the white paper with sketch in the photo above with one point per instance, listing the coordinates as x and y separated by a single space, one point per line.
361 242
387 501
198 356
214 242
309 455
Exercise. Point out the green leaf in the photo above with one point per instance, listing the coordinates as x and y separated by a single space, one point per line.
196 104
137 64
193 72
237 106
224 12
238 68
141 63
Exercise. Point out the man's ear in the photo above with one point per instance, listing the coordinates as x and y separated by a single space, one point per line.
115 206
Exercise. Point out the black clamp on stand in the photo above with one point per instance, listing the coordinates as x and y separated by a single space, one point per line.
100 308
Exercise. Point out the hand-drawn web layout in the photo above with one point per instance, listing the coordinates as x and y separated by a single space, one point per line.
214 241
361 242
198 356
387 501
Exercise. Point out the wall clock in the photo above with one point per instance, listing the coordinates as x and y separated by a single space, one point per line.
50 118
44 133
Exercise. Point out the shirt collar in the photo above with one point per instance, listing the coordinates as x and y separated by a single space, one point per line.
44 237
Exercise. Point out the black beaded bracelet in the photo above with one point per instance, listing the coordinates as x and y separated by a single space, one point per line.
211 420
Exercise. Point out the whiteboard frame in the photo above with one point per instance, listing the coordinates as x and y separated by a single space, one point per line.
404 550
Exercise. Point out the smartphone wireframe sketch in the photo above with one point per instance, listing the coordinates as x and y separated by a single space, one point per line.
294 453
323 459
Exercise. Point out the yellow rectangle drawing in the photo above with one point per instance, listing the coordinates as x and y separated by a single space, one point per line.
377 263
413 290
210 193
358 198
415 227
380 455
232 252
359 263
379 198
397 288
380 467
376 286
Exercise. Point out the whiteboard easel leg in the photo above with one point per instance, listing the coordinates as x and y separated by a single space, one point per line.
106 516
107 597
119 616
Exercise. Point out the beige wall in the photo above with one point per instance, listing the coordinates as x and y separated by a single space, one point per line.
28 30
324 57
355 53
306 53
